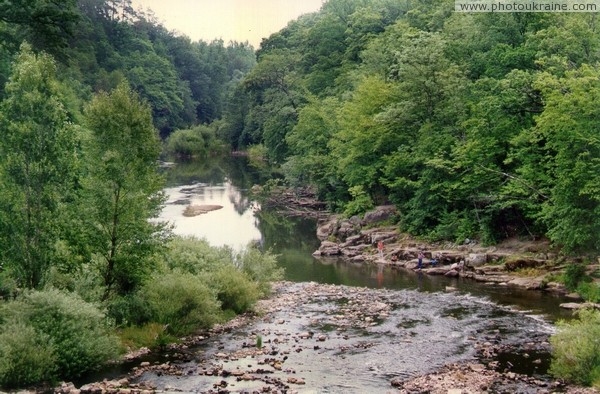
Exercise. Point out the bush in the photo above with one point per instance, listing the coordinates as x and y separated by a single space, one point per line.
361 202
195 256
576 349
147 335
186 143
26 356
235 290
80 338
129 309
574 274
589 291
182 302
260 267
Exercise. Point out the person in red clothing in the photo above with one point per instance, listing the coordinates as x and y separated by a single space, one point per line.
380 249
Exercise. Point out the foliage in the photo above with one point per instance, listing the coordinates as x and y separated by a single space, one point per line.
147 335
574 274
195 256
261 267
195 142
123 189
235 290
25 356
361 202
75 334
473 126
576 349
37 168
589 291
182 302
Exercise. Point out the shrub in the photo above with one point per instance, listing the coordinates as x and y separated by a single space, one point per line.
361 202
26 356
195 256
589 291
182 302
576 349
235 290
147 335
574 274
129 309
186 143
260 267
79 336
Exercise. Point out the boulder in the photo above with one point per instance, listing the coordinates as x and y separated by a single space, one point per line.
387 236
329 249
353 241
327 228
452 274
379 214
346 229
438 271
476 259
528 283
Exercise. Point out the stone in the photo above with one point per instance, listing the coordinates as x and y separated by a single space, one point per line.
327 229
329 249
352 241
452 274
380 214
476 259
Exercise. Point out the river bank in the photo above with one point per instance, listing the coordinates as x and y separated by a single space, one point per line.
533 265
310 337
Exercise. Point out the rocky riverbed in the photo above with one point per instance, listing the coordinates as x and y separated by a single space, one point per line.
526 264
312 337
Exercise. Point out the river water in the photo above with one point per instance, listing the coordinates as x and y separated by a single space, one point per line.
427 327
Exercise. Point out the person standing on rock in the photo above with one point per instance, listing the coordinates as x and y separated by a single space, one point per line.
421 256
380 249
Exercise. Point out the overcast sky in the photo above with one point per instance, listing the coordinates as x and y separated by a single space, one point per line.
239 20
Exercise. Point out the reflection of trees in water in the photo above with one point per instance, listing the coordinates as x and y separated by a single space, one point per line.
241 202
216 170
281 232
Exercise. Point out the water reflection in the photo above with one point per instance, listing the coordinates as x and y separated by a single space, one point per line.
227 183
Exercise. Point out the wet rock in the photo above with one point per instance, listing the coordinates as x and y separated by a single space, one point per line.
452 274
583 305
328 248
528 283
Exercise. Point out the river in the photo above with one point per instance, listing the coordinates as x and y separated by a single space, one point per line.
426 328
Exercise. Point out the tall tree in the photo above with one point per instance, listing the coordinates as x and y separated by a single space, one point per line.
123 190
38 158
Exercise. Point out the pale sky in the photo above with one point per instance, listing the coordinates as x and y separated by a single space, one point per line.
238 20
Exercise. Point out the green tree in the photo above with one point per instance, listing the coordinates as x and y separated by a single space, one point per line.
569 125
123 190
37 167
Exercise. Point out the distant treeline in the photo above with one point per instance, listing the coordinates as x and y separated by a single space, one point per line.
99 43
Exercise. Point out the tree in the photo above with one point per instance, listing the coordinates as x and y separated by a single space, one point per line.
569 125
37 168
123 189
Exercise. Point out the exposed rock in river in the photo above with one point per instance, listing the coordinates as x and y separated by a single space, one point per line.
195 210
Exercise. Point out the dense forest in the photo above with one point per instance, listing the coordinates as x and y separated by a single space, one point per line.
474 125
477 126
